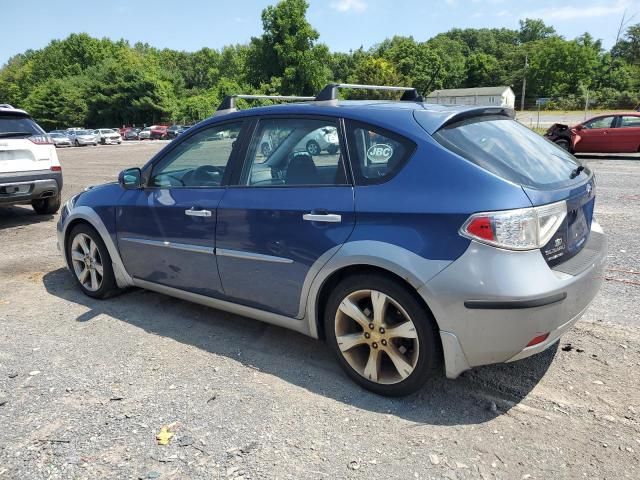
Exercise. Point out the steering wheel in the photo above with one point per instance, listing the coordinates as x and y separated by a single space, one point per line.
206 174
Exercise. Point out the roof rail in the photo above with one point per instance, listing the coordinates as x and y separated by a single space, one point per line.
228 105
5 105
330 92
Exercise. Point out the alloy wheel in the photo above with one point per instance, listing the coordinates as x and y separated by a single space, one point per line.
87 262
376 337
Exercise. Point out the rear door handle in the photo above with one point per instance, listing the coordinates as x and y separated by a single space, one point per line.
322 217
197 213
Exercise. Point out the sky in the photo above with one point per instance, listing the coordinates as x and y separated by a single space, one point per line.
343 24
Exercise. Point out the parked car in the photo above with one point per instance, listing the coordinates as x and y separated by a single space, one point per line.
174 130
145 133
434 233
159 132
618 133
30 172
60 140
82 138
131 134
107 135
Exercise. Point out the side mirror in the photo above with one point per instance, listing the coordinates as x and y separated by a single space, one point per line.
130 179
579 127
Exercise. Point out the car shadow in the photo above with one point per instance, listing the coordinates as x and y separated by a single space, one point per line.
20 216
476 397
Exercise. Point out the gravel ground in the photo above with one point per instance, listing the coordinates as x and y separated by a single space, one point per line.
85 385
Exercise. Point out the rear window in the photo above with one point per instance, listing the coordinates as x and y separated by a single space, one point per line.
510 150
18 124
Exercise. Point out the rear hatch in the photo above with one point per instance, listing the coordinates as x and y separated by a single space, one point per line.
22 144
546 172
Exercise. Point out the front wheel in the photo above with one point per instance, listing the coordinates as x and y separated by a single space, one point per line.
383 337
313 148
90 262
47 206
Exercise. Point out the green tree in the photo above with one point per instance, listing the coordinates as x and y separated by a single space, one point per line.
532 30
58 103
287 50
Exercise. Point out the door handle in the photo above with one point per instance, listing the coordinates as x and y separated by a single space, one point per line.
197 213
322 217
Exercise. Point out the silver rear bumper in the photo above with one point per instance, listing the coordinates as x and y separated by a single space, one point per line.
490 303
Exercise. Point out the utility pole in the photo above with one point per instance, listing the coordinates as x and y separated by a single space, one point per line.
586 104
524 82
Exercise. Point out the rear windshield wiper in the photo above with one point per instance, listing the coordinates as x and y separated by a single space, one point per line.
576 172
15 134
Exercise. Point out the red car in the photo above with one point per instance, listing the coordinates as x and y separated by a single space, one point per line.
159 132
619 133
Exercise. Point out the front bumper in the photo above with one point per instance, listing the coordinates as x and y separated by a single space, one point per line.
490 303
22 187
86 141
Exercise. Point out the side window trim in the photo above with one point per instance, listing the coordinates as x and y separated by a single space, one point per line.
149 168
243 154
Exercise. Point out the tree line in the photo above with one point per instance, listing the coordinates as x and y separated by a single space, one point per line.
85 81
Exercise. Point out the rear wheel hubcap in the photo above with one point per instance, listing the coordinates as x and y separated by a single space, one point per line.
376 337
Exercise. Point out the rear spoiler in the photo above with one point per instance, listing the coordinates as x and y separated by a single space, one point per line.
438 118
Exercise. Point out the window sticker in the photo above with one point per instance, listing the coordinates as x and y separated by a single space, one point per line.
380 153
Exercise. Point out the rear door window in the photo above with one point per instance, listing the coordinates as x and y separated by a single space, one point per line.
628 121
293 152
510 150
376 154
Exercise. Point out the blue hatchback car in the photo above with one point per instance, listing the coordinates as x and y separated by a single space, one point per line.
417 236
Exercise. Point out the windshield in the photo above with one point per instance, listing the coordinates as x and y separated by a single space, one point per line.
511 151
18 124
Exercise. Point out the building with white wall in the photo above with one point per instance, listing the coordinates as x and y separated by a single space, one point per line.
485 96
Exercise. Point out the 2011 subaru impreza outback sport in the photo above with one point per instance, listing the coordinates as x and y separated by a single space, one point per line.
432 235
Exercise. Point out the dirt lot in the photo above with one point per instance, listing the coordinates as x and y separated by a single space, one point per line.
85 386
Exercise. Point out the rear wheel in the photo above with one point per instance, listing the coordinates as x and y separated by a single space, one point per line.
90 262
382 335
47 206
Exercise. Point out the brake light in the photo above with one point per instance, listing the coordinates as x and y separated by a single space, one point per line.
56 168
521 229
538 339
41 139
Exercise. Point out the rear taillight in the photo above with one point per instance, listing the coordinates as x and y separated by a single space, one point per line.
522 229
41 139
56 168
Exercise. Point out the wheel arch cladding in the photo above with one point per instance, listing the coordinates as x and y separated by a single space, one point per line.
337 276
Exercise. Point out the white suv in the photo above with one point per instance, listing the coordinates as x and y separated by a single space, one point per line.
107 135
29 168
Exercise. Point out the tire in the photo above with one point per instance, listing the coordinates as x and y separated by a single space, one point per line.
265 149
416 350
313 148
564 144
332 149
92 284
47 206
